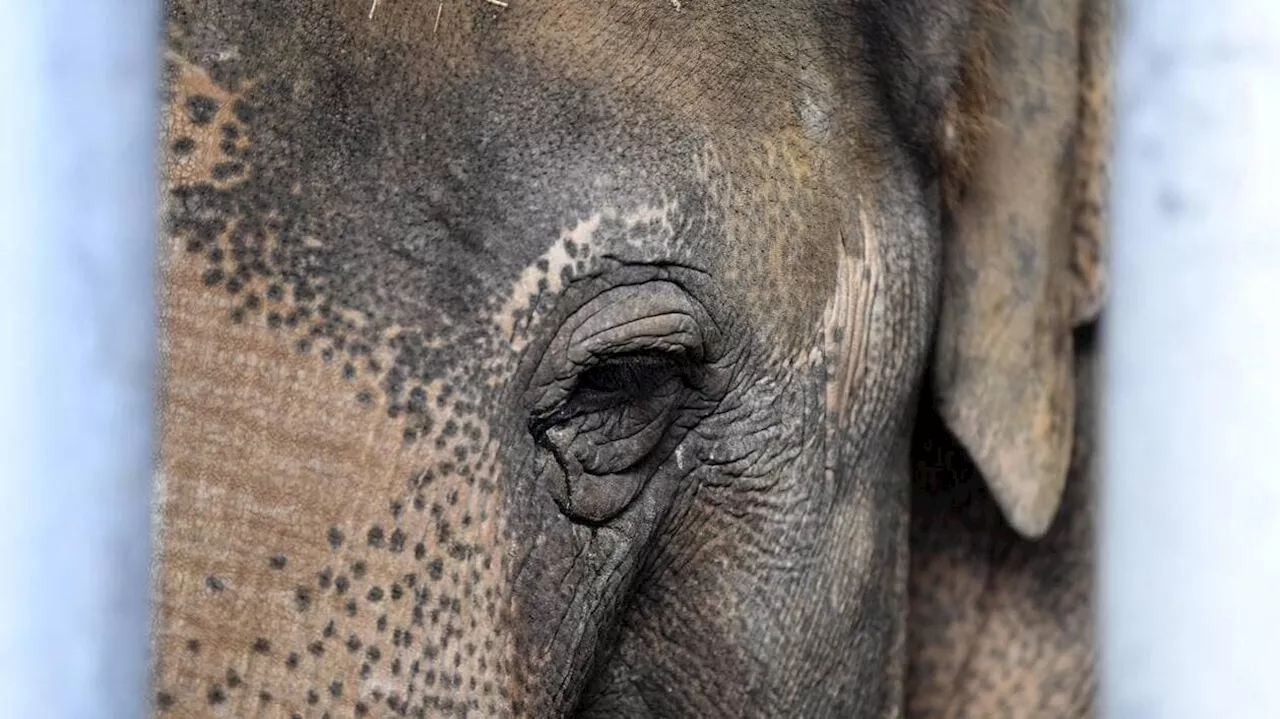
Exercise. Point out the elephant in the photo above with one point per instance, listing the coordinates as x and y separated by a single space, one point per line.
629 358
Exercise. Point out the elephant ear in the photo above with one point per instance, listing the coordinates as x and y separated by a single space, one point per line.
1023 147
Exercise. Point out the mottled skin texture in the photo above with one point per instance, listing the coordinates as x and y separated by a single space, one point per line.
567 358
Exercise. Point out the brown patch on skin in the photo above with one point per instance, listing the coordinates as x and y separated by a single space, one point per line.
195 150
306 561
846 326
276 461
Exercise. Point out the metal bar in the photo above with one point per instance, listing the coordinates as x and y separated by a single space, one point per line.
79 90
1190 576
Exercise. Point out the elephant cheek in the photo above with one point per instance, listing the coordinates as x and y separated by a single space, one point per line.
311 557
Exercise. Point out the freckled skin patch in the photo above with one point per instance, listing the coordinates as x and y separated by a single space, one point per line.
376 234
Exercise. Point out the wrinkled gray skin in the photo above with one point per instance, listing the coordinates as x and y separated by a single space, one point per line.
561 357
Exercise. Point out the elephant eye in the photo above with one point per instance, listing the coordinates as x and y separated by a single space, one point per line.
631 375
619 411
618 387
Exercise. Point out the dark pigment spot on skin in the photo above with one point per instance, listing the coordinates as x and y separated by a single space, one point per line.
212 276
227 170
201 109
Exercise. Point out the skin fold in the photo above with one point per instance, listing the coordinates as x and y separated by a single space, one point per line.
628 359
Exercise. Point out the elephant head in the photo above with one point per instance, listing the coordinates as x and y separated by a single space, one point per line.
536 358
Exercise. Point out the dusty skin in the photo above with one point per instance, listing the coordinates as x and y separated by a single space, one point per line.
629 358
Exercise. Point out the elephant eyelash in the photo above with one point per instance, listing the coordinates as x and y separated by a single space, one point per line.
630 373
614 381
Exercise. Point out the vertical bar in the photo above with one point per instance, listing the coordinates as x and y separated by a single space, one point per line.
79 89
1190 576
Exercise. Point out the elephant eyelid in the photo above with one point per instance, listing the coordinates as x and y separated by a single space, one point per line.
631 372
610 381
666 334
621 348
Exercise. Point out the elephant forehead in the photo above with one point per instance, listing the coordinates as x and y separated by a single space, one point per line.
432 165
